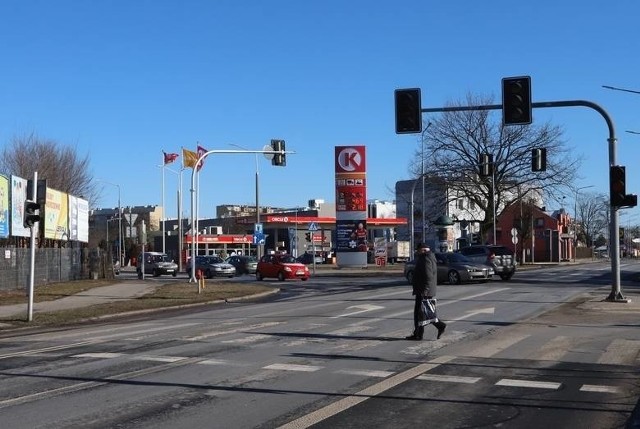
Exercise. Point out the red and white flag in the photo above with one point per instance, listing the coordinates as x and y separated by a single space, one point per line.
169 157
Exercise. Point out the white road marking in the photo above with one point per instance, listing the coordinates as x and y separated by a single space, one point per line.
361 396
621 352
449 378
292 367
99 355
367 373
492 346
166 359
247 340
529 383
599 388
232 331
363 309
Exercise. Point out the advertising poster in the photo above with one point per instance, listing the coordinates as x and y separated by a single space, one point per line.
18 197
4 207
56 215
351 236
78 219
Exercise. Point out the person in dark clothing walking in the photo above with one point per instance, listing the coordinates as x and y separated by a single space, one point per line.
425 280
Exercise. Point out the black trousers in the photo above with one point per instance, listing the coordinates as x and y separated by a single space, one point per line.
418 330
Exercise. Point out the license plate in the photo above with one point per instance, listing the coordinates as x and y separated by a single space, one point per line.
299 273
169 271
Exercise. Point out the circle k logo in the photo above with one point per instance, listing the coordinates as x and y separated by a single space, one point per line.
350 159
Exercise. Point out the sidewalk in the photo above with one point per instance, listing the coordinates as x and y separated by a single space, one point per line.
100 295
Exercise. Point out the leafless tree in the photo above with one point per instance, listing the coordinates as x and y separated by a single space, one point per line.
61 166
454 141
592 217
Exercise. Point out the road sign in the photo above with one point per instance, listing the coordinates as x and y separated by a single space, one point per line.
258 238
313 226
257 228
514 233
514 239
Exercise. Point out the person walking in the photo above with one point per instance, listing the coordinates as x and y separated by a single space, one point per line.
424 284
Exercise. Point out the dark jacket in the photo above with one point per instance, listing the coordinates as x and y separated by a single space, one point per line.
425 275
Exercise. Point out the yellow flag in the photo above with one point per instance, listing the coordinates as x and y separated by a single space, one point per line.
189 158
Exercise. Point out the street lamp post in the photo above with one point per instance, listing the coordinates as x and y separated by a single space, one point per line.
257 184
119 221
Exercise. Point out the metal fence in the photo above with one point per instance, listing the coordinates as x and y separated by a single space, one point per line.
52 265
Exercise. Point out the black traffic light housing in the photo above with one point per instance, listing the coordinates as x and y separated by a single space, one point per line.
279 159
618 189
617 186
408 111
516 100
31 213
307 236
539 159
485 164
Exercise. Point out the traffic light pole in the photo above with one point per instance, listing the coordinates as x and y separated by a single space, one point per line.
614 244
32 251
193 190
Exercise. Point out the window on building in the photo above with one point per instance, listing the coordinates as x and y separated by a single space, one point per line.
472 204
460 203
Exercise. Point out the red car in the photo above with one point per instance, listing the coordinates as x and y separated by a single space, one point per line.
282 267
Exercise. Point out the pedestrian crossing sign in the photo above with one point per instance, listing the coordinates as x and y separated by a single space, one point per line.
313 226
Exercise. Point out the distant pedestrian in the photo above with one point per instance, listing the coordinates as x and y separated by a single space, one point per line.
425 279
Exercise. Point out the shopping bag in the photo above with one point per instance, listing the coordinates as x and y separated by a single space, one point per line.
428 313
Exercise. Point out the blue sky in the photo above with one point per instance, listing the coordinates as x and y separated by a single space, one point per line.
124 80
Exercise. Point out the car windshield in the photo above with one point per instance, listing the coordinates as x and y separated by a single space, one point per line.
288 260
160 258
214 260
458 257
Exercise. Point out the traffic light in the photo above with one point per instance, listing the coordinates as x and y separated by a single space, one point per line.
408 111
516 101
279 159
486 164
31 213
539 159
307 236
617 185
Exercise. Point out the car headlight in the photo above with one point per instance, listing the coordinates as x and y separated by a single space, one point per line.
287 269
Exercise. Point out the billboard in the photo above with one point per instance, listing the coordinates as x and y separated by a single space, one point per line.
78 219
56 215
18 197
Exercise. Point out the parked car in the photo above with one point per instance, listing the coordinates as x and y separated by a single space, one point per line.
244 264
213 266
307 258
454 268
501 258
282 267
156 263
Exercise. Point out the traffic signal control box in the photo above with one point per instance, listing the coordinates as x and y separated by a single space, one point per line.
539 159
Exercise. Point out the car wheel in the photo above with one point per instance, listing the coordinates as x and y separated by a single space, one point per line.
281 276
410 277
175 274
156 273
304 279
259 276
506 276
454 278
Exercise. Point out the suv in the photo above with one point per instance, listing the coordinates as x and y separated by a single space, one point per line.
156 263
501 258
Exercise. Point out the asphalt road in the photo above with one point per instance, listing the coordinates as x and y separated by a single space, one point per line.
331 352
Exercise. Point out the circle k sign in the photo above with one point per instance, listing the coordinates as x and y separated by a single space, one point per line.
350 159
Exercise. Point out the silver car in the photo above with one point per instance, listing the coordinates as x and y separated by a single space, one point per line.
213 266
455 268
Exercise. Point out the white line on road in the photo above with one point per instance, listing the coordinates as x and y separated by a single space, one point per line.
449 378
293 367
529 383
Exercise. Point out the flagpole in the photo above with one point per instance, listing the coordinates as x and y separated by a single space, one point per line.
164 217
